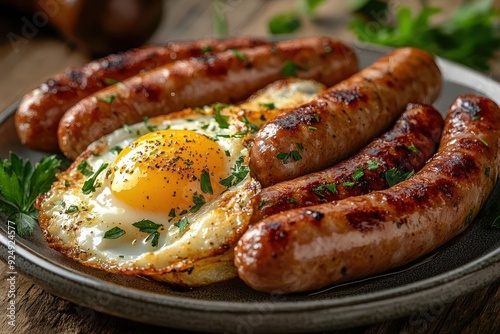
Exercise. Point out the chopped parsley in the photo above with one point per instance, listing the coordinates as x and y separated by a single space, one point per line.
108 99
359 173
268 106
317 117
487 171
84 168
393 176
239 172
294 154
413 148
148 126
182 224
198 201
290 69
469 217
237 53
71 209
221 119
89 185
485 143
127 128
206 186
348 184
110 81
147 226
113 233
261 204
330 187
206 49
372 165
116 149
292 200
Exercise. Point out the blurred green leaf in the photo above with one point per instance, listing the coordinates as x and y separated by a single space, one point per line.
468 36
284 23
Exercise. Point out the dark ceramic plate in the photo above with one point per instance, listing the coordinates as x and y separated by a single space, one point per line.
464 264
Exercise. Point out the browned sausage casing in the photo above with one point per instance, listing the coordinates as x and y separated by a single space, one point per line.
309 248
222 77
343 119
406 147
39 112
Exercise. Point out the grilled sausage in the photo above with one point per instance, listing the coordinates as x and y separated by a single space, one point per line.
345 118
405 148
308 248
39 112
222 77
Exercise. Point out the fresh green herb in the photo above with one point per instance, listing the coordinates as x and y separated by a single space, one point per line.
252 128
284 23
393 176
485 143
20 185
84 168
268 106
348 184
228 153
206 186
108 99
239 172
291 200
294 155
110 81
71 209
468 36
496 222
372 165
237 53
330 187
89 185
148 126
261 203
116 149
289 22
206 49
476 117
198 201
359 173
413 148
182 224
312 128
469 217
113 233
290 69
219 21
370 9
67 184
171 213
317 118
147 226
183 212
127 128
221 119
61 203
487 171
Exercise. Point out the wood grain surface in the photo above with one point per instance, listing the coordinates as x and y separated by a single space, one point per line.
24 67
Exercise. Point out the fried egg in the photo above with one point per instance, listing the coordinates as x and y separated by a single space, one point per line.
169 197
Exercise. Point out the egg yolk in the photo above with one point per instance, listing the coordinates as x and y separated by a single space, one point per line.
169 170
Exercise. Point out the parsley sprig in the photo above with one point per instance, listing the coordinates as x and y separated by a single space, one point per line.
20 185
239 172
468 36
147 226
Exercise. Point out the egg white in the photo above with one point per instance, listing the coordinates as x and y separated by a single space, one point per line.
201 252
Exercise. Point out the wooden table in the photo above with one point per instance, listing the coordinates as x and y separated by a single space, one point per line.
44 54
